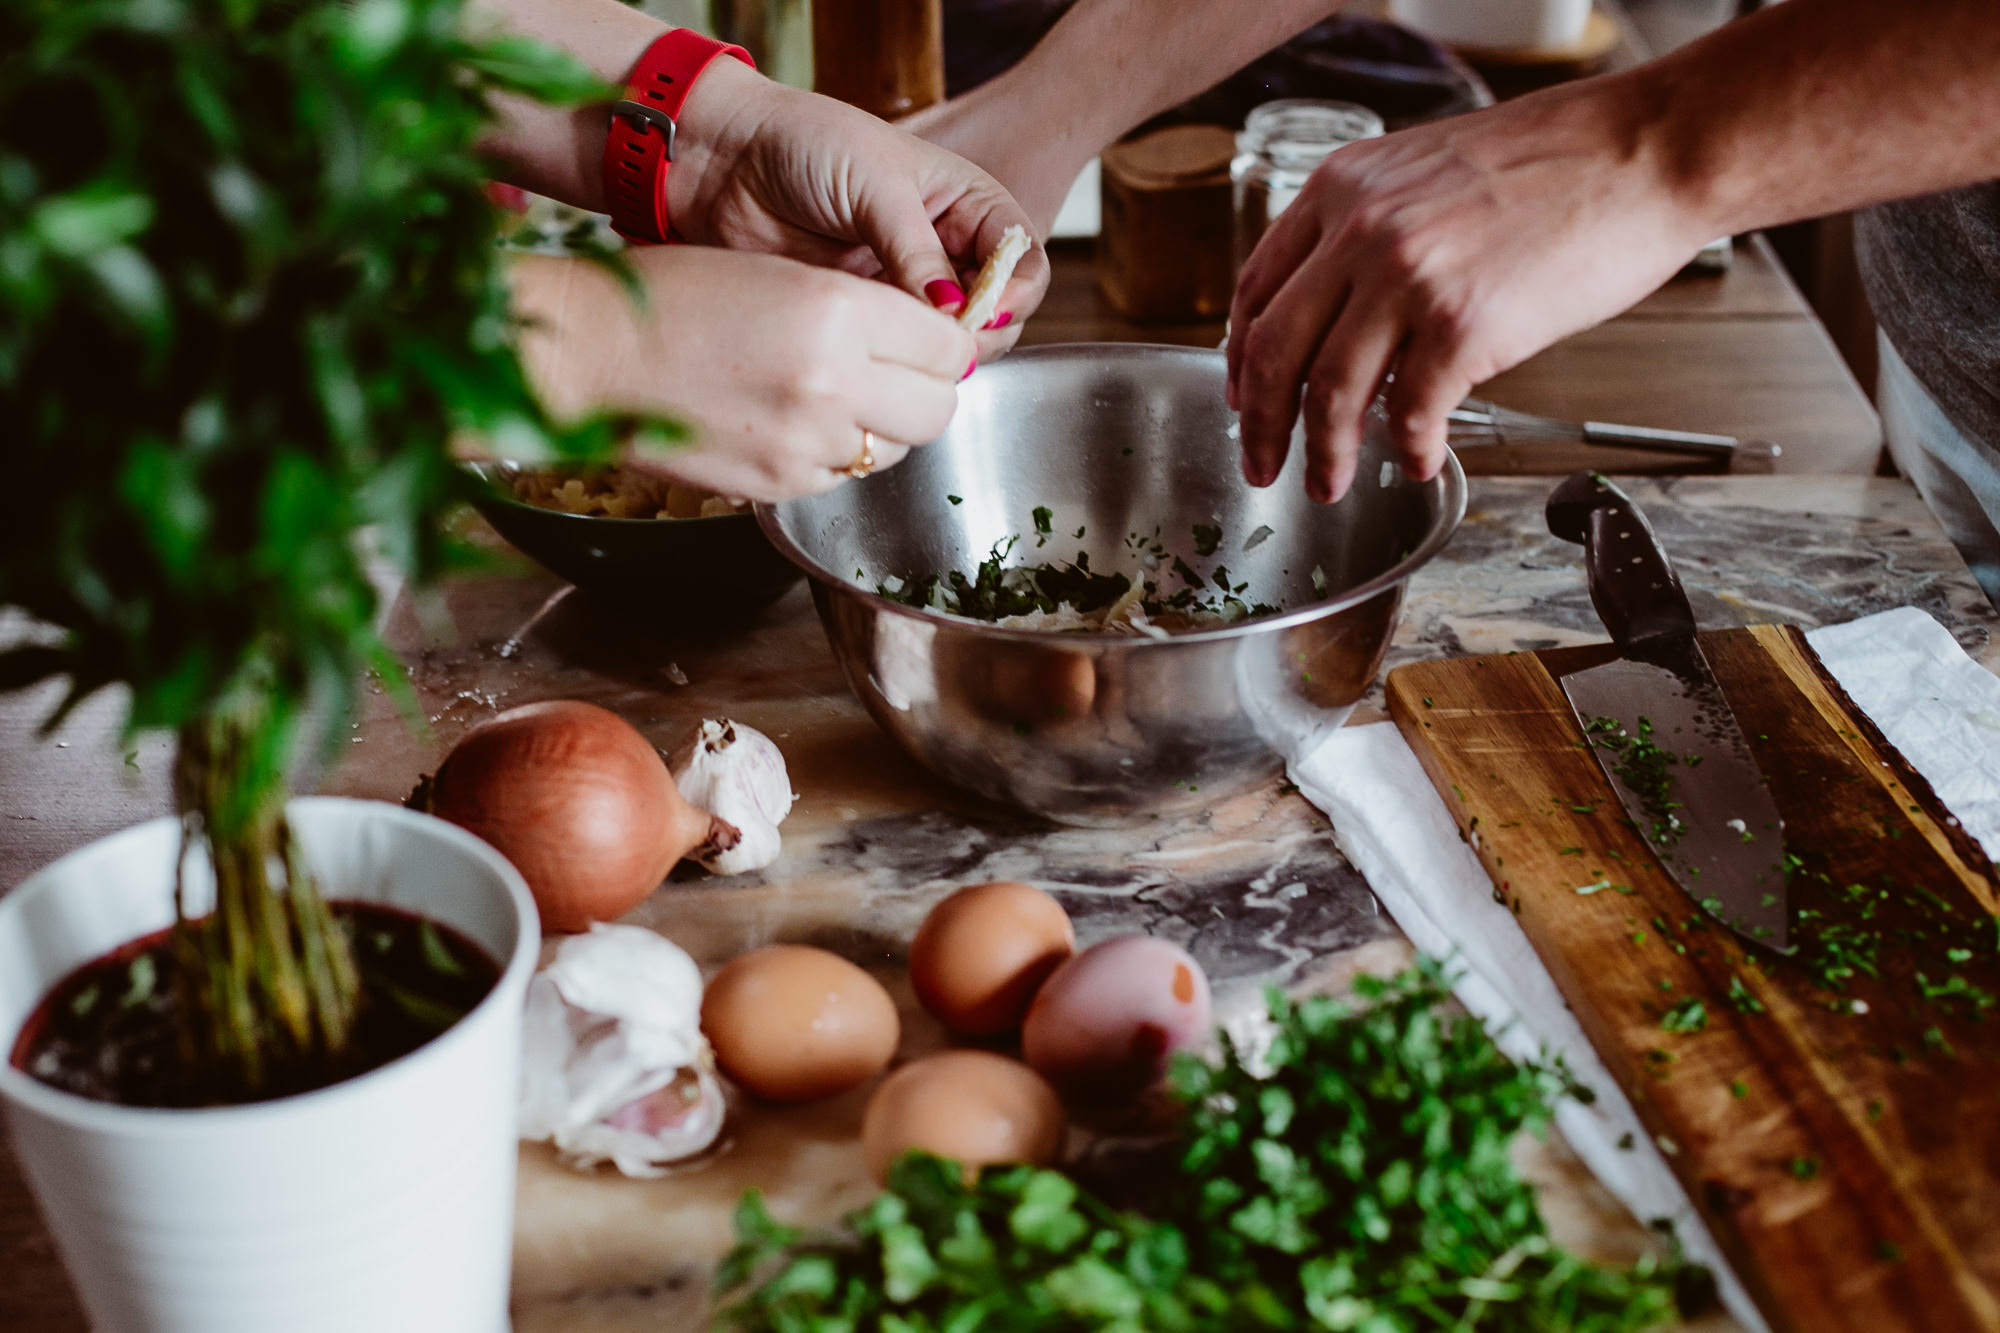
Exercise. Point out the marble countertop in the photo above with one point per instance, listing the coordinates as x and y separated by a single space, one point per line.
1254 887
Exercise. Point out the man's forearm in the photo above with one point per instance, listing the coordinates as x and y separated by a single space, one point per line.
1109 65
1819 106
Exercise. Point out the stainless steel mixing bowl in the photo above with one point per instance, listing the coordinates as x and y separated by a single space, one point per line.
1115 440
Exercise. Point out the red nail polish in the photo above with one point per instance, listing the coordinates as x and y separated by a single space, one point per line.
970 366
1001 320
944 293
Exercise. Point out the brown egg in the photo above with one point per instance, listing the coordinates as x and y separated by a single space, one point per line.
791 1023
983 952
972 1106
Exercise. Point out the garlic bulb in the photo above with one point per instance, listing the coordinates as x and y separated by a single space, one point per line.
614 1066
737 774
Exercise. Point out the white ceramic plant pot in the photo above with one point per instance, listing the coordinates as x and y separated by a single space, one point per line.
380 1204
1497 25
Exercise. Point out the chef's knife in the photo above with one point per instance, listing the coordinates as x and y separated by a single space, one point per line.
1660 727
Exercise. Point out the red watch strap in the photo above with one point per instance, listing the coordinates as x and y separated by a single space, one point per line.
640 145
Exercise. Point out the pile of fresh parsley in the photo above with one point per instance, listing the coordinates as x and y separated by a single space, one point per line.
1358 1180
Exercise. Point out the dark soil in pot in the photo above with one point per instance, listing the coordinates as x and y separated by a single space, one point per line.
112 1029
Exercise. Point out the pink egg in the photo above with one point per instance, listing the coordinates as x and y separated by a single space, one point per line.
1103 1025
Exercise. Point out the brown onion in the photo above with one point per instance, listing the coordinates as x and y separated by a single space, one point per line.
580 802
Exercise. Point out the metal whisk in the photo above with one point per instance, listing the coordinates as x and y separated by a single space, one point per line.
1476 422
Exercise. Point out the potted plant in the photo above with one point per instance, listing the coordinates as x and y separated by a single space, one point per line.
248 292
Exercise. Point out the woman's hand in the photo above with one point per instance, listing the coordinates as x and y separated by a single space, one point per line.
766 168
762 167
1447 253
778 367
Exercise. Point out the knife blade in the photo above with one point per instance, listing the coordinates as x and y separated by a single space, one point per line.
1660 727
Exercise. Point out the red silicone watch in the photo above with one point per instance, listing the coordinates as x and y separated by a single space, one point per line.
640 145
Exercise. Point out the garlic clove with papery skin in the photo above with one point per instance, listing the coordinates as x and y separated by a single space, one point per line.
614 1065
674 1122
737 774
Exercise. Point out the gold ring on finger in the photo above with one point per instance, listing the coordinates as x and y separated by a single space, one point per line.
864 462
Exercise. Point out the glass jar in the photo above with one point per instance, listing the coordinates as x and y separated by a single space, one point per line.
1278 148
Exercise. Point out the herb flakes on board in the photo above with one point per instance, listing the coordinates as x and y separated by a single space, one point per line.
1647 770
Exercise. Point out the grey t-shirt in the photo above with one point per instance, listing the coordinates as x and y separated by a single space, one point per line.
1932 269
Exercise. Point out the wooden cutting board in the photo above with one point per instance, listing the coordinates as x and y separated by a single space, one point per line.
1843 1144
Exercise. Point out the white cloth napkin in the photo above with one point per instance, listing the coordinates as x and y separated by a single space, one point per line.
1936 705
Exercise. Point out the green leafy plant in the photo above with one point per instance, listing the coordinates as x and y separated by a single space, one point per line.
1361 1182
248 294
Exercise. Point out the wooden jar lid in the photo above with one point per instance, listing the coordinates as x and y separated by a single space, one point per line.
1164 250
1176 158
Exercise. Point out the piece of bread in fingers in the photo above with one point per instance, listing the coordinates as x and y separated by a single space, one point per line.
984 301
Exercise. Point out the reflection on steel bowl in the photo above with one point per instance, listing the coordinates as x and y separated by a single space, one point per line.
1126 445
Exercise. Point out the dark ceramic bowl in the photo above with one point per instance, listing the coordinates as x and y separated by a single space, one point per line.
712 566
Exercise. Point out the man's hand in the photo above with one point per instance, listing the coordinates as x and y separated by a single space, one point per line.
1444 254
1450 252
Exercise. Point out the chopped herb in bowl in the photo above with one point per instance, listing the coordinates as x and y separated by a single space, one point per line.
1069 595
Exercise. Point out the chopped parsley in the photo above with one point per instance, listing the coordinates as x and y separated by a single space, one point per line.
998 589
1743 998
1690 1015
1646 769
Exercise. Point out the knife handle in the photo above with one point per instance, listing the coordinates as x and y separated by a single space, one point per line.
1632 583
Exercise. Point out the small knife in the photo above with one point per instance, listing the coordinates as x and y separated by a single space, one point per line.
1660 727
